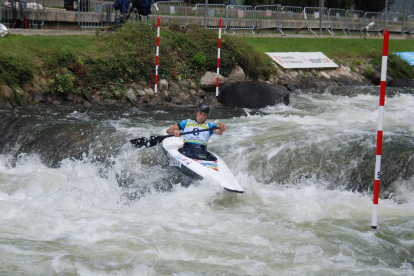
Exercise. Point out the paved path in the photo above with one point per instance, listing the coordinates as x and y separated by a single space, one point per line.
80 32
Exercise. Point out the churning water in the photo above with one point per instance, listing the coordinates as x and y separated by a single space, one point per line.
77 199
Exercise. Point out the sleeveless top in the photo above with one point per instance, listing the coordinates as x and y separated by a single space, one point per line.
200 138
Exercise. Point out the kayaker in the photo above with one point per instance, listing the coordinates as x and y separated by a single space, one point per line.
195 144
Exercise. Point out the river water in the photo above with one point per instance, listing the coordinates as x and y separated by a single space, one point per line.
77 199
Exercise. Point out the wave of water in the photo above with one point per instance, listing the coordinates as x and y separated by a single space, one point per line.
306 170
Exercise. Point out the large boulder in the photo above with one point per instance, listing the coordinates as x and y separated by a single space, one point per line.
209 80
400 83
253 94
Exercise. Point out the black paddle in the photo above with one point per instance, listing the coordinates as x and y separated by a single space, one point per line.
155 140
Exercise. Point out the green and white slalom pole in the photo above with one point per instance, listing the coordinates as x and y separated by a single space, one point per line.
380 128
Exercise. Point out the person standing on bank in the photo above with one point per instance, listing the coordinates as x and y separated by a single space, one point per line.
195 144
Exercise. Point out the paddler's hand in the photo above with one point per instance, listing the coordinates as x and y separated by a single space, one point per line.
222 126
177 133
221 129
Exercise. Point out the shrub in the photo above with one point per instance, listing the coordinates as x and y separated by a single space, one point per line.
60 59
15 70
63 82
397 67
368 71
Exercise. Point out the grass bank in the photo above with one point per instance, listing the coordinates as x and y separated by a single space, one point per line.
84 64
331 47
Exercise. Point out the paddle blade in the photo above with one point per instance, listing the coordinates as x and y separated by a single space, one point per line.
147 142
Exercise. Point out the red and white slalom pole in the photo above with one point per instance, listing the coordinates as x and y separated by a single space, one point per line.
218 59
157 55
380 128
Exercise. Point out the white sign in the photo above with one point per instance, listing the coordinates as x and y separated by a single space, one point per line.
302 60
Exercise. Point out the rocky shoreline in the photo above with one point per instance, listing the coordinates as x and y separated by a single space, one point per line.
186 92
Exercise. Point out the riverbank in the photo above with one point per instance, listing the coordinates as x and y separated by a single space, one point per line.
117 69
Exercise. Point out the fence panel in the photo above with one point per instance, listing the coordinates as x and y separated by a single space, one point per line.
240 17
267 16
354 20
312 16
90 14
109 15
395 22
409 25
214 13
292 18
21 14
36 14
172 11
337 20
377 18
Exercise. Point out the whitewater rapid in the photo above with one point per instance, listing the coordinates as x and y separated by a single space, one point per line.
307 170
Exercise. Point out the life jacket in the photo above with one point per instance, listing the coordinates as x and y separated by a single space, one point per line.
196 137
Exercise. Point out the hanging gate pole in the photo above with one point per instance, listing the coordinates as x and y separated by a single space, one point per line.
380 129
157 54
218 59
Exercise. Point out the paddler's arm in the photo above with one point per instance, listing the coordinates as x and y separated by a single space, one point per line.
222 128
174 129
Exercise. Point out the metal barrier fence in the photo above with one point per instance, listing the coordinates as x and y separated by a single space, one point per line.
354 20
377 18
336 18
172 12
409 25
291 18
91 14
312 18
267 16
240 17
394 22
214 13
22 14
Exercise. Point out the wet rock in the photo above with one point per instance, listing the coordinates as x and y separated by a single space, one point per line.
237 74
400 83
292 86
141 93
130 96
7 104
149 91
209 80
176 101
6 92
118 95
174 88
27 88
39 98
376 77
163 85
253 94
184 96
193 85
88 98
201 93
69 97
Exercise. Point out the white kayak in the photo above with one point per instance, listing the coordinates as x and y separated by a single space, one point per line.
3 30
217 170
